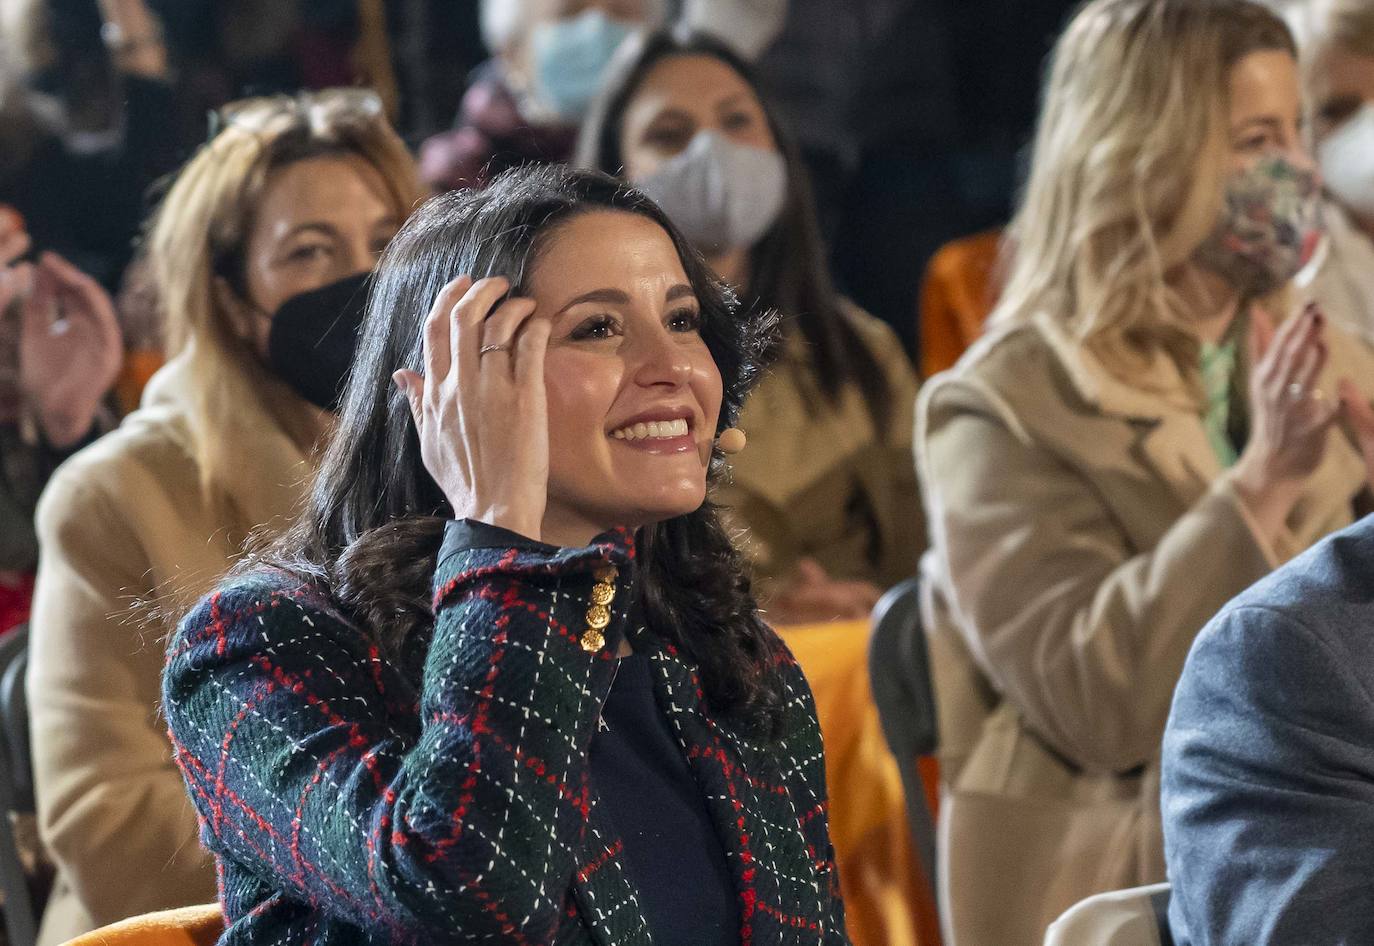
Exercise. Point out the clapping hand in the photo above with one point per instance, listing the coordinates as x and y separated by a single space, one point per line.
70 348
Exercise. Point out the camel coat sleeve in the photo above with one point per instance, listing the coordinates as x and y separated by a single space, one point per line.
112 808
1083 633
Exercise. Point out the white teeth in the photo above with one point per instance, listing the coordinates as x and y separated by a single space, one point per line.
653 430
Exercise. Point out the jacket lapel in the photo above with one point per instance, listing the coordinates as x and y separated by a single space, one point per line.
751 809
275 474
1164 414
1175 446
604 896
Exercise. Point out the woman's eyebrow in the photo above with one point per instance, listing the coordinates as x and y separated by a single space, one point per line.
680 291
671 113
310 226
1269 122
1339 104
606 296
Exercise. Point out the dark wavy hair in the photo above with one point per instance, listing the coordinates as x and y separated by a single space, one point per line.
374 523
788 272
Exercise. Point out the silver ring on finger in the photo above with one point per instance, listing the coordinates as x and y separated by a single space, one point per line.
1296 391
488 349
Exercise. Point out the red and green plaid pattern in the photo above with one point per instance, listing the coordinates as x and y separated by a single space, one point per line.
443 796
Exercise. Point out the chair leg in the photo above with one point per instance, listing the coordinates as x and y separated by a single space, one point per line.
922 825
20 923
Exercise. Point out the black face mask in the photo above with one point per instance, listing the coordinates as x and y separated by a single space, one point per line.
314 336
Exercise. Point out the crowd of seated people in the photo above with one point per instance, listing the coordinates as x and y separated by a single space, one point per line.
432 588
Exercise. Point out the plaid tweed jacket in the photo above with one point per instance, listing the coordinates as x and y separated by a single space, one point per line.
444 796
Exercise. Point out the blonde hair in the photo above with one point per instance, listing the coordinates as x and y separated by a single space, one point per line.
1130 158
200 230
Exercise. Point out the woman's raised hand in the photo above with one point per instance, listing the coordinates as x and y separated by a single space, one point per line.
70 346
1289 416
480 408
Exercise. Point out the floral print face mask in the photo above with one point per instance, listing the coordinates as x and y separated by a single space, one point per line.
1269 226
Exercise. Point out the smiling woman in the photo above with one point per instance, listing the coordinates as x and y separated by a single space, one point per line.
504 678
633 394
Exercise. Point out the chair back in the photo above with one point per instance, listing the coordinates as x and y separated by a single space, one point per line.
899 668
1135 917
16 788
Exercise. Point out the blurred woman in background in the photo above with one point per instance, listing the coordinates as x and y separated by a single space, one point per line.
524 104
294 194
1336 45
86 96
825 487
1131 446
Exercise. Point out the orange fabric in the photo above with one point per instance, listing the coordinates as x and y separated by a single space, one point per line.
957 295
372 56
139 366
886 895
186 926
929 768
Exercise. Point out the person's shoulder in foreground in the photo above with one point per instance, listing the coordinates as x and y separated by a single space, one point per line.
1268 772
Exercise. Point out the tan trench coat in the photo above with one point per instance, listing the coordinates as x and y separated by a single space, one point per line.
1082 533
126 521
827 483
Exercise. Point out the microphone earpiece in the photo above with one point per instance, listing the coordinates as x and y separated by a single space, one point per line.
731 441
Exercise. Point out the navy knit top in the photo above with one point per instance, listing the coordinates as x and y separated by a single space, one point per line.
672 851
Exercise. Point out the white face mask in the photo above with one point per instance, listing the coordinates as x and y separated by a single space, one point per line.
570 57
1346 158
722 195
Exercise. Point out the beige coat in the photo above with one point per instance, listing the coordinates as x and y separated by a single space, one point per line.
825 482
1082 533
125 521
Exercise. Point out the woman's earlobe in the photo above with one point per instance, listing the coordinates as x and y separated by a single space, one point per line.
232 304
